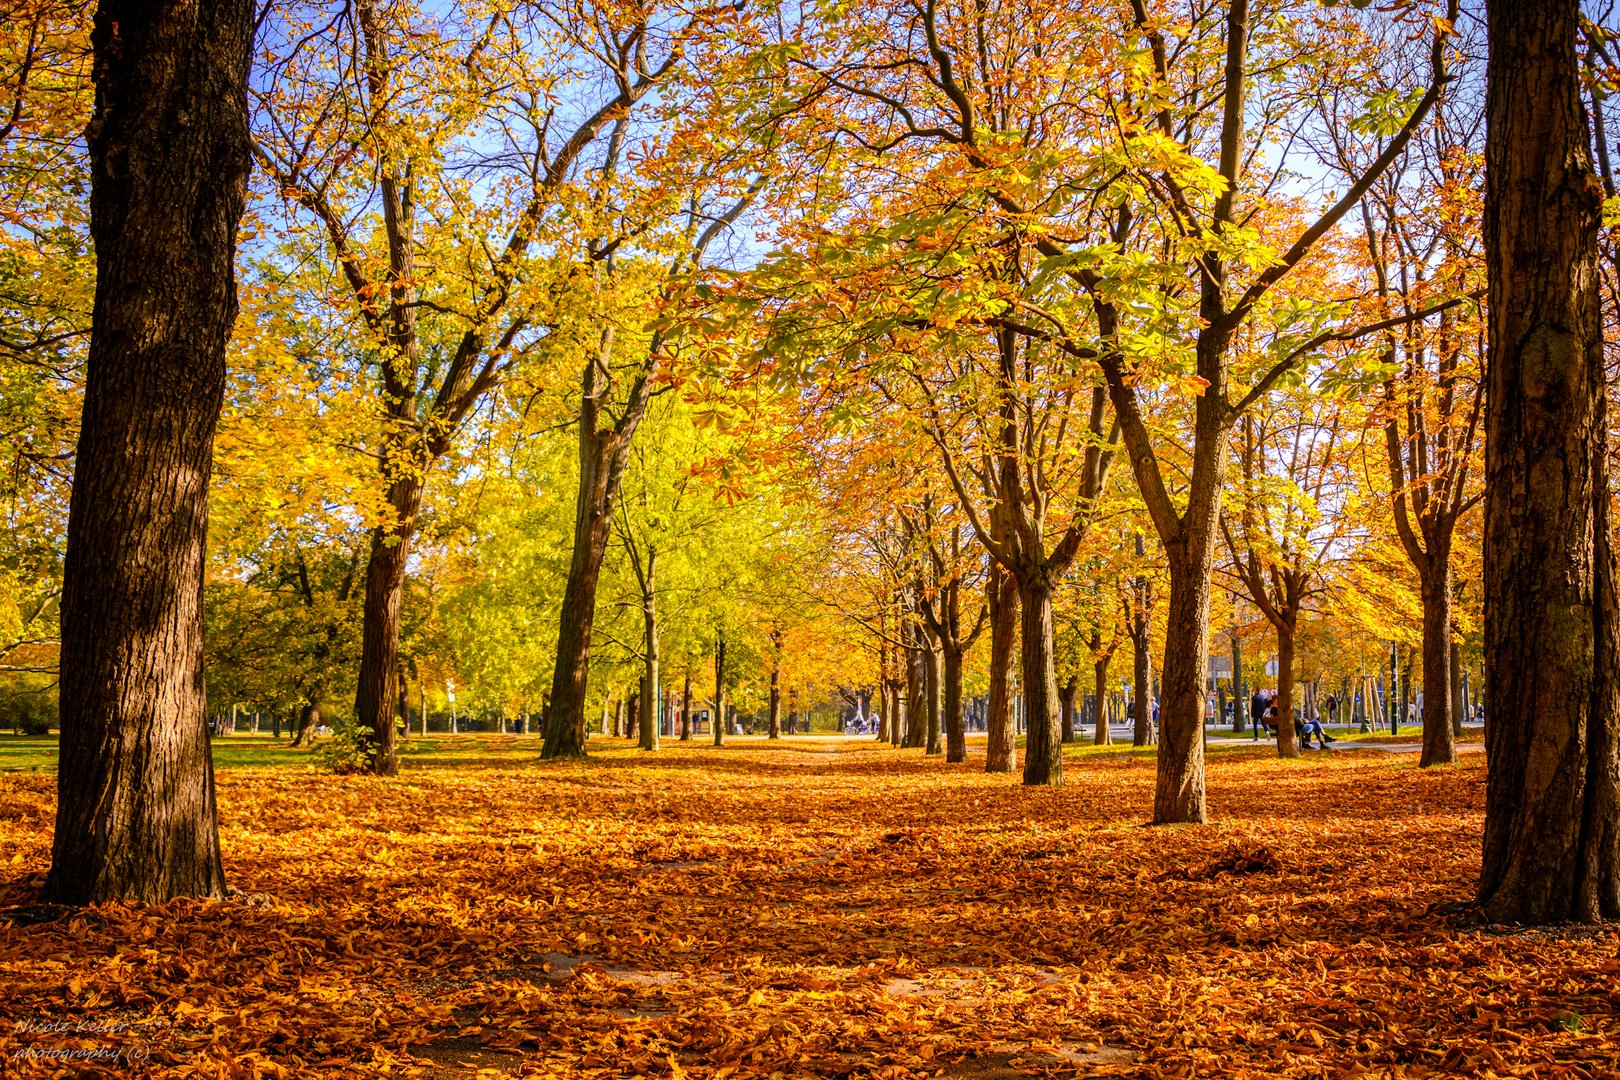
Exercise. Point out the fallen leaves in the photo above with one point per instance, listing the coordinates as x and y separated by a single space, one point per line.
754 912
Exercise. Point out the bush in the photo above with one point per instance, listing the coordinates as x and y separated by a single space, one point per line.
28 711
345 751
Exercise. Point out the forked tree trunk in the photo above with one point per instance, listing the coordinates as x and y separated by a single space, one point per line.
169 155
1001 595
1552 796
1439 737
955 732
1043 745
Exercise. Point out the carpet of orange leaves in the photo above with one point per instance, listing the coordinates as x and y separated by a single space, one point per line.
810 908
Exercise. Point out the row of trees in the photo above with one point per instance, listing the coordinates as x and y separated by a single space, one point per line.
1065 309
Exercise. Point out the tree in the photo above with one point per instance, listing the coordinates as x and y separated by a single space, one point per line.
1552 797
170 156
1420 228
450 287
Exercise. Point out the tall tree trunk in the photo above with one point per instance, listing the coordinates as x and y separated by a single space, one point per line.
1287 737
1043 746
1179 792
955 730
897 725
1101 736
916 689
593 520
651 688
719 724
931 689
1001 596
169 155
1142 685
1240 689
1439 739
686 708
884 711
1458 698
1552 795
377 688
774 728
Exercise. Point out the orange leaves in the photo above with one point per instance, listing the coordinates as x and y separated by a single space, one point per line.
814 909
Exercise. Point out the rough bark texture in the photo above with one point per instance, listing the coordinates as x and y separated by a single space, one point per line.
1287 737
169 155
1552 802
1179 791
1001 596
1043 745
377 688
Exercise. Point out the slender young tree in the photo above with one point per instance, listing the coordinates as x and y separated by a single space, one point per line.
169 154
1552 795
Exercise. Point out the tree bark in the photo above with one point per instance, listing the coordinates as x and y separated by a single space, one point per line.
651 689
1240 689
955 730
719 723
1066 714
593 521
1142 684
1287 737
169 155
686 709
1101 736
377 688
1179 791
1457 697
1552 797
1439 737
931 689
603 451
1001 596
774 729
1043 745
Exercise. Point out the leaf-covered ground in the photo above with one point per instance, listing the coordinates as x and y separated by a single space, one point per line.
809 908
